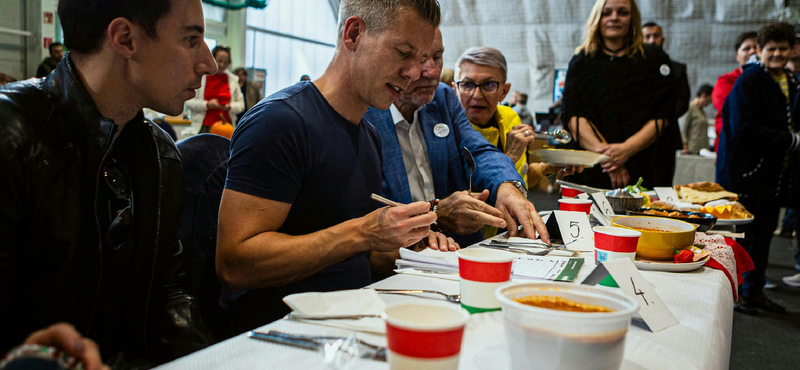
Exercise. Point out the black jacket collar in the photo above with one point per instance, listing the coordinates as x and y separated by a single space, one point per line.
77 105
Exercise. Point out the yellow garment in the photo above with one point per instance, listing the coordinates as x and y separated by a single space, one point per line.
781 80
506 120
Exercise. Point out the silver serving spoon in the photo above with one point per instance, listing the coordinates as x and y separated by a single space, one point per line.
562 136
470 164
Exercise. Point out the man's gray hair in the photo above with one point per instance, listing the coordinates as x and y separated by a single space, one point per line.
483 56
379 14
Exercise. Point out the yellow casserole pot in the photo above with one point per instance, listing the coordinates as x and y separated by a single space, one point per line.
660 236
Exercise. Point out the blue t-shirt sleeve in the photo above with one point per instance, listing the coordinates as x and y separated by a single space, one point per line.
268 153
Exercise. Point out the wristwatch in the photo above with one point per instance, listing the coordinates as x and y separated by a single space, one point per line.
519 185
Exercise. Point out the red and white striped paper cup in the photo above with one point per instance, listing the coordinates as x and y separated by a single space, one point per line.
575 205
615 242
424 336
481 272
568 192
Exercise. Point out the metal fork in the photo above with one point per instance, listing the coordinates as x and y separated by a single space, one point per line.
377 353
542 252
470 165
456 298
295 316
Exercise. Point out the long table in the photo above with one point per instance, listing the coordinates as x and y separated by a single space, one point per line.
702 301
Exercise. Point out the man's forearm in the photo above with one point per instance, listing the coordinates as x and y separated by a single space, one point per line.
273 259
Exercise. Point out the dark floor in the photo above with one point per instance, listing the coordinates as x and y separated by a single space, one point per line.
765 341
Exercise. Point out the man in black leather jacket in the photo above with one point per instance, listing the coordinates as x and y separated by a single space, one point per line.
92 191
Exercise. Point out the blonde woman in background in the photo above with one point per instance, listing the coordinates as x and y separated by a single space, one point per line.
618 97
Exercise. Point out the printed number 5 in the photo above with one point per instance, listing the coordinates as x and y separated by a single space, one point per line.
576 226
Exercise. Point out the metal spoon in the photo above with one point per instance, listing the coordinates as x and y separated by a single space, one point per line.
470 164
450 297
559 135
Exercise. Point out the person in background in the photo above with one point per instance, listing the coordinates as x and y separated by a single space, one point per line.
745 47
296 214
791 229
480 75
422 136
447 76
794 59
694 128
49 64
519 103
250 91
305 78
90 237
6 79
758 131
653 34
612 71
219 96
791 225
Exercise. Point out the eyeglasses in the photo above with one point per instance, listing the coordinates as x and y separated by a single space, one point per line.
119 182
468 87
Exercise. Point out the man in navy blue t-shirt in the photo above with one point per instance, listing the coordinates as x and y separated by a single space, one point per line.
296 213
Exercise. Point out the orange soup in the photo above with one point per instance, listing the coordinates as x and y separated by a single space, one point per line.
651 229
561 304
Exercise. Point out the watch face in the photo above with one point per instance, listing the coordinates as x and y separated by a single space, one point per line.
34 356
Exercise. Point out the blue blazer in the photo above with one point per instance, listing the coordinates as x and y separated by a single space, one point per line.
449 169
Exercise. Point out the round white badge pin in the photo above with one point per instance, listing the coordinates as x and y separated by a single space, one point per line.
664 70
441 130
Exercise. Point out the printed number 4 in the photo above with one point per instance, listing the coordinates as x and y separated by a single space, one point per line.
639 292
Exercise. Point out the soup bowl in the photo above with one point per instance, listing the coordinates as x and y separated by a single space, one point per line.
660 236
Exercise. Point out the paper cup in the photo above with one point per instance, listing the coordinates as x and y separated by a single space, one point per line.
568 192
575 205
424 336
611 243
481 272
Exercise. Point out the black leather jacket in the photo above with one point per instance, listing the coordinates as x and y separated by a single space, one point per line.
53 142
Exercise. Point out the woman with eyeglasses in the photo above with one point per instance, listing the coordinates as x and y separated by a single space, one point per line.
480 82
618 98
219 95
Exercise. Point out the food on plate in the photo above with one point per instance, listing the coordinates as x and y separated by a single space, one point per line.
727 210
702 186
636 189
675 206
684 256
691 195
670 214
560 304
693 254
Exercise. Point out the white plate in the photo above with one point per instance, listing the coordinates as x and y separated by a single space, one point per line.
735 222
570 157
669 266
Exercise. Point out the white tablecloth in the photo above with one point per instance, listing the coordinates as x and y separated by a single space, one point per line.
701 300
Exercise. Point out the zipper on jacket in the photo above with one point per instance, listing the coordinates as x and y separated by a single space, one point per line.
158 233
99 230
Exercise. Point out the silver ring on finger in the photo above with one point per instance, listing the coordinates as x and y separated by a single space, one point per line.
527 133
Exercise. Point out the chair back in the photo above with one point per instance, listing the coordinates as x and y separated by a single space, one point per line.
205 167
